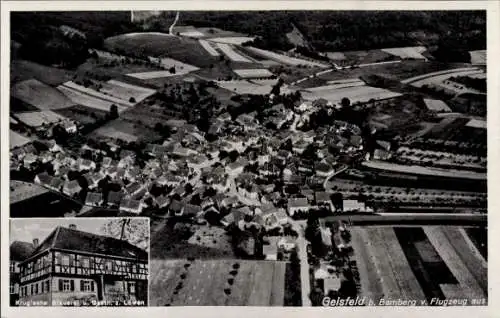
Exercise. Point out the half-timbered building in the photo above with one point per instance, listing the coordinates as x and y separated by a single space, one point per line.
72 268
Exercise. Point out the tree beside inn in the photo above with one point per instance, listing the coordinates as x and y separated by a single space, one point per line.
74 268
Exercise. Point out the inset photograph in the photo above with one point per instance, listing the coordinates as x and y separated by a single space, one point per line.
79 262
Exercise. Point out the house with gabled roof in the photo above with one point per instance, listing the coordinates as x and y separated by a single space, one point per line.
131 206
94 199
76 268
298 205
71 188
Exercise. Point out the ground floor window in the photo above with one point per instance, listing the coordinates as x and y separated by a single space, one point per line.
66 285
12 288
86 285
131 287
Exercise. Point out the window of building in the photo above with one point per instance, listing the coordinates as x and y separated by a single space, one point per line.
47 286
42 287
85 285
85 263
12 267
36 288
65 260
66 285
32 289
12 288
131 287
108 265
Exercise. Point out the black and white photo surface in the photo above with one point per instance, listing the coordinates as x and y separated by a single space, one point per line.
282 158
79 262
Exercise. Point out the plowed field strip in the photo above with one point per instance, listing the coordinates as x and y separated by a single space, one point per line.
445 249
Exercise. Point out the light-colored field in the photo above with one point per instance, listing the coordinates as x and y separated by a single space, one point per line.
283 58
335 55
354 94
192 34
265 82
255 283
40 95
478 57
209 48
17 140
180 67
420 170
345 81
412 52
232 54
245 87
96 94
235 40
87 100
142 34
466 280
111 132
436 105
253 73
476 123
439 76
167 63
398 280
124 90
479 76
153 74
336 86
37 119
383 267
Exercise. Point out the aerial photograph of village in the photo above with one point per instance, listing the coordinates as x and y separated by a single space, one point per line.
281 158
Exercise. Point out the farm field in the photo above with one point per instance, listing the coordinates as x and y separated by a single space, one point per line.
116 130
91 92
283 58
387 259
397 71
125 91
89 101
17 140
183 49
39 118
355 94
460 262
242 87
253 73
206 283
412 52
478 57
431 271
436 105
439 76
209 48
236 40
104 70
40 95
192 34
180 67
231 54
82 114
364 57
336 86
21 70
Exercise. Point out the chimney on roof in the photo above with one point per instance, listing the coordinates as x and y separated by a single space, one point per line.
72 226
35 242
